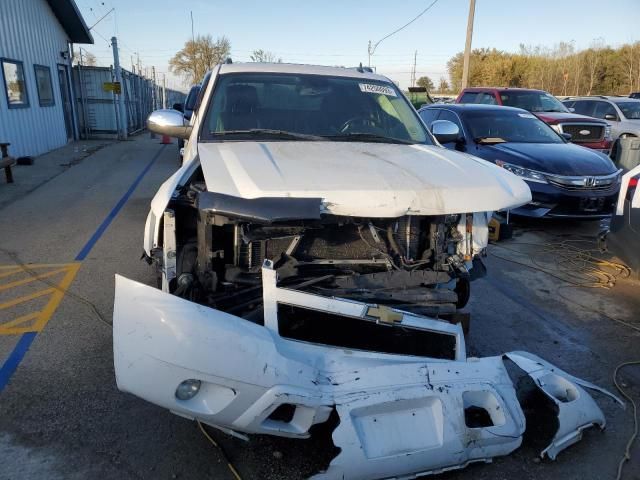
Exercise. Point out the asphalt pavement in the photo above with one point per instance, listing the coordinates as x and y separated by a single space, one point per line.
62 417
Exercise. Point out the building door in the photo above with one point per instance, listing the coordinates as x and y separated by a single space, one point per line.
65 95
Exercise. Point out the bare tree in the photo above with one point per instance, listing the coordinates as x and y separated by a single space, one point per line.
443 87
264 56
593 57
628 59
198 56
86 59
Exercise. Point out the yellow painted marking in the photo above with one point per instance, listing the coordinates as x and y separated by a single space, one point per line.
39 318
11 272
26 298
31 278
19 320
31 266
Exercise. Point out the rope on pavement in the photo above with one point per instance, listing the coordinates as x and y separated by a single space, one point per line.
627 452
232 469
576 267
25 268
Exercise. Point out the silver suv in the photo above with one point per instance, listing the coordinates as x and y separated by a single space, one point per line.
623 113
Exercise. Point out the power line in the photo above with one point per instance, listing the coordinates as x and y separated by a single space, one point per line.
373 49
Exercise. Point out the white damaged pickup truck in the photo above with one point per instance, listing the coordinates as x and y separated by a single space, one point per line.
312 254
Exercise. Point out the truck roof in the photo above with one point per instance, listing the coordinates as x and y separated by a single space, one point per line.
514 89
258 67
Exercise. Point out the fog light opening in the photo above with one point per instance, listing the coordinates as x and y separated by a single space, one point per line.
188 389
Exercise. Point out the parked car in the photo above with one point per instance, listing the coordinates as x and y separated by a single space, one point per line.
623 113
313 224
584 130
634 95
565 180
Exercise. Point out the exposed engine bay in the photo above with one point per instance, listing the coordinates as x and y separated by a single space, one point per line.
215 246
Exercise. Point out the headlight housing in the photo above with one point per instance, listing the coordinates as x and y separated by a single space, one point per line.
556 128
607 132
525 173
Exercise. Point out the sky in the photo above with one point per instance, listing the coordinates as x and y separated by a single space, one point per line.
334 32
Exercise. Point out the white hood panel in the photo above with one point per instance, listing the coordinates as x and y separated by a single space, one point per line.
362 179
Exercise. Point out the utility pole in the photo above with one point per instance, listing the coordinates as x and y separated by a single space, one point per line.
467 45
154 90
193 37
164 90
413 70
122 134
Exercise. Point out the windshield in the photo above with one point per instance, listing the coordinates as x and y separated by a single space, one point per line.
631 110
507 126
250 106
532 101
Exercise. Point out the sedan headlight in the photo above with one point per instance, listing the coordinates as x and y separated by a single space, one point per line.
525 173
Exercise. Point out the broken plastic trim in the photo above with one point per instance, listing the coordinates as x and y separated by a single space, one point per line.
400 415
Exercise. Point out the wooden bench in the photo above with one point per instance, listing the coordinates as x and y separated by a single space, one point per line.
6 161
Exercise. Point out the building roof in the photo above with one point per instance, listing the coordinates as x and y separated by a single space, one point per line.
71 20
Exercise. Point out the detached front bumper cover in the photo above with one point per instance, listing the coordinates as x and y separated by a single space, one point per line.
400 416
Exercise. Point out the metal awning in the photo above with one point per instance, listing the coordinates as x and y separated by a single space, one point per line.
67 13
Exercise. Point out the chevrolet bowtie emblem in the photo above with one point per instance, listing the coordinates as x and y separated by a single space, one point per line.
384 314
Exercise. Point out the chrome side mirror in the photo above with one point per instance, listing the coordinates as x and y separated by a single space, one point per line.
445 131
610 116
169 122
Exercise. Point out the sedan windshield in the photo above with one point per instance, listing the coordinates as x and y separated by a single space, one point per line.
631 110
277 106
532 101
500 126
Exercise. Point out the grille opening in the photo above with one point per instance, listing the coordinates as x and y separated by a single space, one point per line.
284 413
477 417
482 409
299 323
595 132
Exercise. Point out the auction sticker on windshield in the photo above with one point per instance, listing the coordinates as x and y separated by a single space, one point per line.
371 88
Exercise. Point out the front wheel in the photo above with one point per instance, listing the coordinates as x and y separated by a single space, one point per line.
463 289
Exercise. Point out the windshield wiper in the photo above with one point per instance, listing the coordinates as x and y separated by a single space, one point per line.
368 137
489 140
281 134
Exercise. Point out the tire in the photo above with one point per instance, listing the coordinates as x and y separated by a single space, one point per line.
463 289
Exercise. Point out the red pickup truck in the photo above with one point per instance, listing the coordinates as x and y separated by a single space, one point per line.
586 131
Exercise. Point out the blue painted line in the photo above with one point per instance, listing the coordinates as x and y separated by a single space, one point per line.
114 212
11 364
20 350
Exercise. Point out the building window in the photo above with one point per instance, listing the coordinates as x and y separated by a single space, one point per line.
14 83
43 83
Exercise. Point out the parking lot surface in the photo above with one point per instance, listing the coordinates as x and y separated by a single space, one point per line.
61 415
